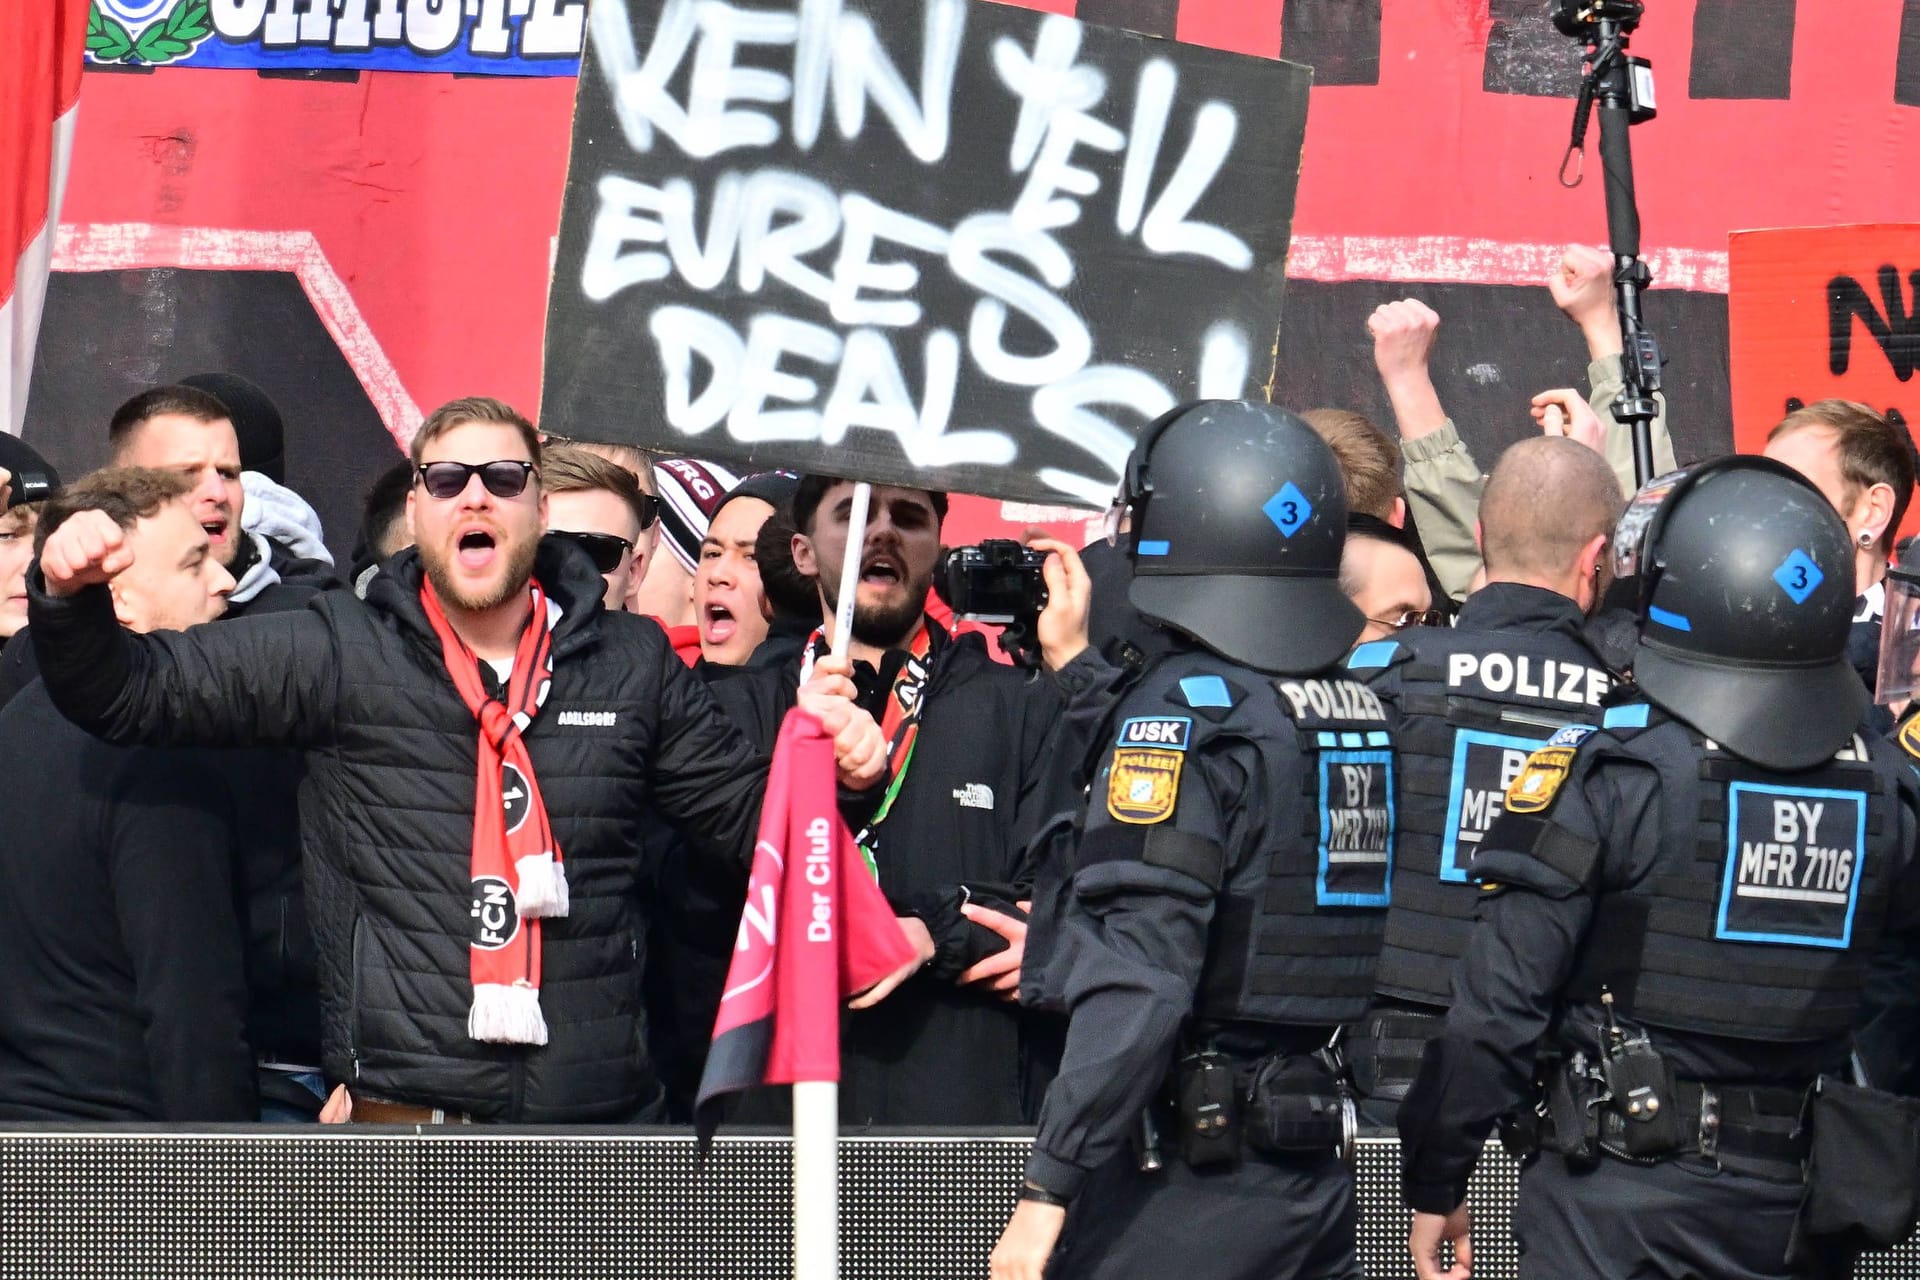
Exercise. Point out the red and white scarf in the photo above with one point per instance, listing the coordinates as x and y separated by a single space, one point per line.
899 723
516 868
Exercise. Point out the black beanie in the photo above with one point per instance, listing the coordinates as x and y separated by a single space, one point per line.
256 420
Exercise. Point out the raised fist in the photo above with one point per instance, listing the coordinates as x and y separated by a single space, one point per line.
86 549
1583 286
1403 334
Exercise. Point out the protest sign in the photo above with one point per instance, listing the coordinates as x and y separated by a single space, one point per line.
954 245
1820 312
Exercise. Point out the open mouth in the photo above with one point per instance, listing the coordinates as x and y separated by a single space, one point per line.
882 571
474 549
216 530
718 624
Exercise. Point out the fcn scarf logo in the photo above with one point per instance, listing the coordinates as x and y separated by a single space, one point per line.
147 31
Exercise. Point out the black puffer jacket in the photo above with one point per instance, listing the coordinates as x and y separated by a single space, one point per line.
387 814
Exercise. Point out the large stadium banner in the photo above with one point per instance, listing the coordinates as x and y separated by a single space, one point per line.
948 244
472 37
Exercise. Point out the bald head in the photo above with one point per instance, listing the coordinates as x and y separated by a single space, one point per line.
1546 502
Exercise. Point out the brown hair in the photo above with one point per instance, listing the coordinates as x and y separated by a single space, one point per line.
467 409
127 494
1547 498
569 468
1870 449
179 401
1368 458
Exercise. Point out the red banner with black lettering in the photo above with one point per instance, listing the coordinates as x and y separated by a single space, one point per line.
815 929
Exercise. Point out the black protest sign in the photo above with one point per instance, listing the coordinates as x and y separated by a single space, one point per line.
938 243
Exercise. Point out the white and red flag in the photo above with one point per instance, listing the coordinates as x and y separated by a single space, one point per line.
816 929
40 47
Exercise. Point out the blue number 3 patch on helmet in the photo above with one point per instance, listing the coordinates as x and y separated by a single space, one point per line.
1798 576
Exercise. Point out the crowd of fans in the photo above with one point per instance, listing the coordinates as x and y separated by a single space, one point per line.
260 893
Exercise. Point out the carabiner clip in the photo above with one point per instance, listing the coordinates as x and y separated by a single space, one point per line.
1579 169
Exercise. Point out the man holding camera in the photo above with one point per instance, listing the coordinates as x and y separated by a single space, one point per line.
970 750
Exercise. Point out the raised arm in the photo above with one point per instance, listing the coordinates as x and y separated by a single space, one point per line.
269 679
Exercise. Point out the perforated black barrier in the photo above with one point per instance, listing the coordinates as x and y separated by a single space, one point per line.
522 1203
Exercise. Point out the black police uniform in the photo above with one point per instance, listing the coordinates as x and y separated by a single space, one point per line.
1229 884
1229 897
1640 875
1469 704
1681 911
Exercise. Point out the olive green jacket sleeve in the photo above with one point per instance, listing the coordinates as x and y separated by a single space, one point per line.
1443 485
1605 377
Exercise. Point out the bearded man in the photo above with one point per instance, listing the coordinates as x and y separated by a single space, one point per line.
484 743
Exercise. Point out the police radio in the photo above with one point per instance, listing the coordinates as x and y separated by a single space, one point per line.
1642 1118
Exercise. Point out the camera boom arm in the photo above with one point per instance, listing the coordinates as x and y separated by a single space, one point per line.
1624 88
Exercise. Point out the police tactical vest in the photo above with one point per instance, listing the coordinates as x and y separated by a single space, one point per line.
1761 915
1299 921
1474 705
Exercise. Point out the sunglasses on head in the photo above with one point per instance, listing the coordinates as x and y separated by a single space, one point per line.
503 479
604 549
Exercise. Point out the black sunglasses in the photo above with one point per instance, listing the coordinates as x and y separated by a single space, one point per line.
604 549
648 510
1416 618
504 479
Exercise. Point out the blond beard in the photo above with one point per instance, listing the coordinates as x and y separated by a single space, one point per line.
519 571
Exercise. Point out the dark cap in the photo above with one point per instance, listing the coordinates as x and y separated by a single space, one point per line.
34 479
775 488
255 418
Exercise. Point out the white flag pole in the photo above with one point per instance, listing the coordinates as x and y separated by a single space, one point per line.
816 1104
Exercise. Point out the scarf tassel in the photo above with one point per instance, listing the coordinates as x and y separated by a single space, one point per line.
542 890
503 1014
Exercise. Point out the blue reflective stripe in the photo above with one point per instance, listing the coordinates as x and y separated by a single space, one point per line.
1156 547
1667 618
1375 654
1329 739
1630 717
1378 738
1206 691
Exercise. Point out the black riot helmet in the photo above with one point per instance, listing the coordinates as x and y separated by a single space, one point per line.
1745 598
1239 513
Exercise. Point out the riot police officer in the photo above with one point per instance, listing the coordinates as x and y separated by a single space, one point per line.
1682 906
1225 909
1469 704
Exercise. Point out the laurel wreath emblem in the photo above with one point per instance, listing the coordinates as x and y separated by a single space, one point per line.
168 40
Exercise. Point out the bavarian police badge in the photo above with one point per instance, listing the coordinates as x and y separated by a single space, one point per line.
1909 736
1143 784
1540 781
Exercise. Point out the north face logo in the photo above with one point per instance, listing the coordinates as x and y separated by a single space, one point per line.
589 719
975 795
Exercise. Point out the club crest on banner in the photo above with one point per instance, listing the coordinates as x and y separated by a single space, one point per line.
147 32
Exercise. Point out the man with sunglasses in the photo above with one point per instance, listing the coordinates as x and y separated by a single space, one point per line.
599 507
1469 704
1381 572
485 744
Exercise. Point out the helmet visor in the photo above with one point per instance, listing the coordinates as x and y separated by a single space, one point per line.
1630 535
1899 641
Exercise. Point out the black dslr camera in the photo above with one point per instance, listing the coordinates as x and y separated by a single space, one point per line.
998 581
